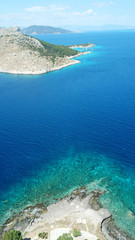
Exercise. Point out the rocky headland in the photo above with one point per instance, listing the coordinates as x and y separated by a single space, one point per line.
22 54
81 210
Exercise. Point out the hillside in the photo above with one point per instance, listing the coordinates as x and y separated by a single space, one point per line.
35 29
27 55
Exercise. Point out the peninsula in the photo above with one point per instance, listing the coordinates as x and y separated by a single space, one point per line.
22 54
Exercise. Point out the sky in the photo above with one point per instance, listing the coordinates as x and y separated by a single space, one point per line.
62 13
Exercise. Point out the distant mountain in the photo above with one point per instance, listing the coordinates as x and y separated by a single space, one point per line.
35 29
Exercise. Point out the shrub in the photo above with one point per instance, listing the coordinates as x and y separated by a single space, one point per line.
65 236
12 235
76 233
43 235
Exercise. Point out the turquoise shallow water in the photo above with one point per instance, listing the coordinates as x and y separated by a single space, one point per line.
72 127
94 170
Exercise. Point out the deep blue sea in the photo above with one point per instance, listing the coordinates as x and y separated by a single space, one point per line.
72 127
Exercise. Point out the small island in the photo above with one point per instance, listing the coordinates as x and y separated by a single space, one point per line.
23 54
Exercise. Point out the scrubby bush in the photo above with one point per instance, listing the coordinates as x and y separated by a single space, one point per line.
12 235
65 236
76 233
57 50
43 235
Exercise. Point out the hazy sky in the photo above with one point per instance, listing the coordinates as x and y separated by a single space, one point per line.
66 13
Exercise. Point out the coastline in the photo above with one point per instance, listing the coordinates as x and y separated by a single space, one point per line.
81 210
40 72
68 61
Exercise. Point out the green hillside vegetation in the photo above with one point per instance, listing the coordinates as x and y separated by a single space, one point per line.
53 51
58 50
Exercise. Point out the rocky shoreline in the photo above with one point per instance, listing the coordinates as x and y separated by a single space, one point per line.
81 210
66 62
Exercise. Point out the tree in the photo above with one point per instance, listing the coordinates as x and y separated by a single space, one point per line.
12 235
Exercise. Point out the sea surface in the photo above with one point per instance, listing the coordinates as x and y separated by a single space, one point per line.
72 127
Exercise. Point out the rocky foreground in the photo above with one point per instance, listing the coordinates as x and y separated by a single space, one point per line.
80 211
22 54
